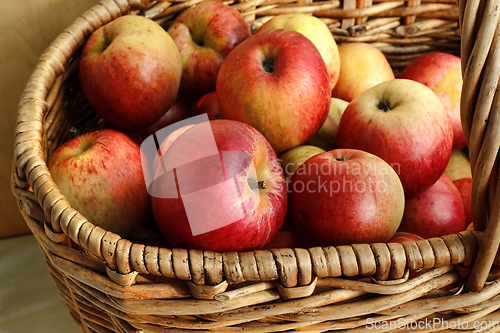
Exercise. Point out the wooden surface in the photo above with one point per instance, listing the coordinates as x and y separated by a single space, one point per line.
26 28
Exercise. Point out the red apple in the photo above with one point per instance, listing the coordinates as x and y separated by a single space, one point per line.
220 187
131 134
152 155
362 66
130 71
207 104
344 196
464 186
172 137
100 175
176 113
442 73
204 35
317 31
437 212
283 239
404 123
277 82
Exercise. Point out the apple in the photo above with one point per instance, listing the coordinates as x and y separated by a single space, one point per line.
220 188
131 134
176 113
326 136
100 175
285 227
401 236
344 196
438 211
151 155
362 66
204 35
293 158
172 137
130 71
442 73
464 187
458 166
282 240
314 29
403 122
207 104
149 237
276 82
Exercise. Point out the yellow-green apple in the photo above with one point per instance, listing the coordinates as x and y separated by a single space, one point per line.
326 136
458 166
464 187
100 175
344 196
220 187
179 110
436 212
207 104
130 71
276 82
204 35
362 66
314 29
403 122
293 158
442 73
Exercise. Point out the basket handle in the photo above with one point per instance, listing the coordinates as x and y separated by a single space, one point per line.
480 112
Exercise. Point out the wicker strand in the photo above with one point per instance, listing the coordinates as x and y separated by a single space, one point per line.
483 159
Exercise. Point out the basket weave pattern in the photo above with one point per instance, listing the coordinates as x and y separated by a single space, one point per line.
112 284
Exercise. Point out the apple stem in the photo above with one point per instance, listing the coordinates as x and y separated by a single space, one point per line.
262 184
268 65
199 42
384 105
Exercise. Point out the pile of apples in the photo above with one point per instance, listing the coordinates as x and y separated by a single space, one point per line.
235 141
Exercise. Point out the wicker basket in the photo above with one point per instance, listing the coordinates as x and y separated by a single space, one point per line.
112 284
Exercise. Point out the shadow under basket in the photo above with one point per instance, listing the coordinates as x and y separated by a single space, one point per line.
111 284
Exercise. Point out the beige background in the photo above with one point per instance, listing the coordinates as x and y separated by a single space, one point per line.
27 27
